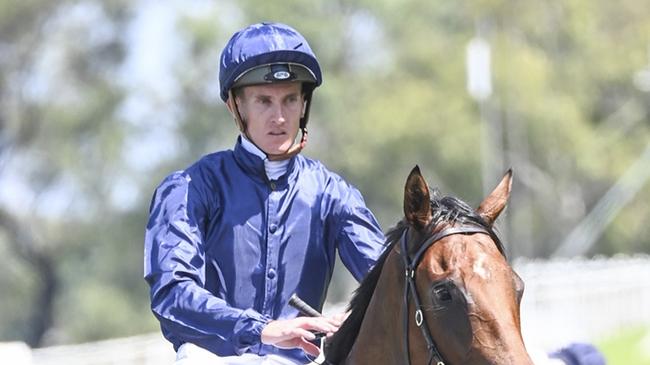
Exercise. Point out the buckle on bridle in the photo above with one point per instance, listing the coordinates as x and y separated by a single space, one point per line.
419 318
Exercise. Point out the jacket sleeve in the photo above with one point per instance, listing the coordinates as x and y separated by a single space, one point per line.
174 268
360 239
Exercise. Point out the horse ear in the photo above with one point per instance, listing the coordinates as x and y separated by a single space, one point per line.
417 205
494 203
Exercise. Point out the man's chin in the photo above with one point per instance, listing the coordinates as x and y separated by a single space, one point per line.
277 150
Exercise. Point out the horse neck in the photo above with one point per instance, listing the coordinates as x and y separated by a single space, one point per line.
381 329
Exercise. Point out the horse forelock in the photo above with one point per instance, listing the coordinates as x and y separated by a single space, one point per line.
451 210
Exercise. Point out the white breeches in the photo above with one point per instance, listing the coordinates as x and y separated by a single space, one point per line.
190 354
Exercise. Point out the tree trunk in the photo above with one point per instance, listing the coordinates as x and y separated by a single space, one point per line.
42 317
42 263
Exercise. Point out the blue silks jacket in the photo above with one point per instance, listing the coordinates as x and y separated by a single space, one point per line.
225 247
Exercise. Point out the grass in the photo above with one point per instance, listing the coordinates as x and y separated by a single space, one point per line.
627 347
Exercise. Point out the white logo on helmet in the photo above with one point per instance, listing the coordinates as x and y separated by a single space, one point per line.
281 75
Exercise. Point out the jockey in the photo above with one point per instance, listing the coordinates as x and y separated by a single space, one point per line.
234 235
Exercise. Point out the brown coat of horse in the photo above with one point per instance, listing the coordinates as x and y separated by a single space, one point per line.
470 295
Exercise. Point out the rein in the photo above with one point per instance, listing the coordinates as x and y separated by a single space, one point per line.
410 265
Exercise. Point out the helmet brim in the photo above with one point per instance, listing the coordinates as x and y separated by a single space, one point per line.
275 73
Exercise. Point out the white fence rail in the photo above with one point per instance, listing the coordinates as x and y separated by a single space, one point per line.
569 300
564 301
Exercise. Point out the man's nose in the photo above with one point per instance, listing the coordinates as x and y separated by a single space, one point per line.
278 114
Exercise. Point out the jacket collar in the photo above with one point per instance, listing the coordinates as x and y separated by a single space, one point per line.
253 165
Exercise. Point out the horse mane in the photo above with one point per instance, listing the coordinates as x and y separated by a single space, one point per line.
447 209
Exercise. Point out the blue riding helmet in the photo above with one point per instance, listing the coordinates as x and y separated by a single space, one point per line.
267 53
264 53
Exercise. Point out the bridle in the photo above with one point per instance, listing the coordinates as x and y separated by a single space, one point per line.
410 265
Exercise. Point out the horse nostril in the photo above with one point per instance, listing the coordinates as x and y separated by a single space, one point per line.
442 293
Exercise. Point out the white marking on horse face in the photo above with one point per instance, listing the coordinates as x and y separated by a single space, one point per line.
460 284
479 267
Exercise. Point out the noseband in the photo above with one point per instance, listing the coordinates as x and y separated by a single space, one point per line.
410 264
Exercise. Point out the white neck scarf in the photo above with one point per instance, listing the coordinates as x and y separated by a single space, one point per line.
274 169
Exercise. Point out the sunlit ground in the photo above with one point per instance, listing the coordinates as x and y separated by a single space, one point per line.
628 347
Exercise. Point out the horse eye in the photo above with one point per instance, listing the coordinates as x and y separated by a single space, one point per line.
442 293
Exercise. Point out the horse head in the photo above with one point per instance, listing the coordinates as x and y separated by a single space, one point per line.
442 292
469 295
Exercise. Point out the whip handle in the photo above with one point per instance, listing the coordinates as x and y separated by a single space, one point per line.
304 308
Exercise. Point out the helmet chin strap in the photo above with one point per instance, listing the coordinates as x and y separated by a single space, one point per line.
293 150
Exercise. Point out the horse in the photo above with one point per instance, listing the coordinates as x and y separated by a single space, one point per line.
441 293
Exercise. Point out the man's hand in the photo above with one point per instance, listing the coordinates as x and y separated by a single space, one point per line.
341 317
297 332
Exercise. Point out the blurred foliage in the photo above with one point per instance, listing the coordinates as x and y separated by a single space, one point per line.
86 131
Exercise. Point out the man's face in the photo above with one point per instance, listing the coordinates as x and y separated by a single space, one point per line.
272 114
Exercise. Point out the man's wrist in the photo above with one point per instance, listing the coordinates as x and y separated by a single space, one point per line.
248 329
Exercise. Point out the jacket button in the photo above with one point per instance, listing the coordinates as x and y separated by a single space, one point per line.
271 274
273 228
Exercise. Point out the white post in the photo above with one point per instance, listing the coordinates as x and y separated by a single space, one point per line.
478 63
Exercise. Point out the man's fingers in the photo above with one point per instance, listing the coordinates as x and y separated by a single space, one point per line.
341 317
320 324
302 343
336 321
299 332
309 348
333 321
